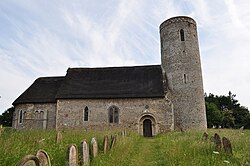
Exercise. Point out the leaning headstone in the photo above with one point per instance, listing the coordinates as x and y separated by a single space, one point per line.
242 128
205 136
113 141
217 142
72 156
85 153
29 160
227 145
43 158
94 147
105 144
59 137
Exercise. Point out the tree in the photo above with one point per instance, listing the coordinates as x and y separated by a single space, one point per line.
228 109
214 116
6 117
228 119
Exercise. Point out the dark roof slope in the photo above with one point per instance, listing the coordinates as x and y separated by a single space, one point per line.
112 82
43 90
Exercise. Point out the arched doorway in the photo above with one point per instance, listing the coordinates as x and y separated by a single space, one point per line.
147 125
147 128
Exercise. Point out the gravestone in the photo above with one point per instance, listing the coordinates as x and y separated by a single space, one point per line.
85 153
59 137
105 144
72 156
113 141
124 133
94 147
43 158
29 160
217 142
227 145
205 136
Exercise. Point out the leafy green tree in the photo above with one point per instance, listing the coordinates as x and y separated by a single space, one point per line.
6 117
214 116
228 119
233 114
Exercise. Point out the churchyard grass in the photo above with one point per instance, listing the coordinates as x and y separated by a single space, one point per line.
173 148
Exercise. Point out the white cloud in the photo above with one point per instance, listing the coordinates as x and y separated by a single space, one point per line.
44 38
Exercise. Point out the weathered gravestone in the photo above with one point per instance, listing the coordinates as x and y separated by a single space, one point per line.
227 145
105 144
205 136
113 141
59 137
43 158
72 156
29 160
217 142
85 153
124 133
94 147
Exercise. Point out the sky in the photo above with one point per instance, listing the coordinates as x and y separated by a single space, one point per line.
44 38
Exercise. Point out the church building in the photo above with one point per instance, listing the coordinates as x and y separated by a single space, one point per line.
148 99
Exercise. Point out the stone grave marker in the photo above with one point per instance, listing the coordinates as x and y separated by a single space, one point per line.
43 158
205 136
94 147
72 156
59 137
123 133
105 144
85 161
217 142
113 141
29 160
227 145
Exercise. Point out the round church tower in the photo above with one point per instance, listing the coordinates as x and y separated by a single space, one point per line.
180 60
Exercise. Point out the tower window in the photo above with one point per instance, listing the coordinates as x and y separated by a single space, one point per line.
185 78
113 114
86 114
182 35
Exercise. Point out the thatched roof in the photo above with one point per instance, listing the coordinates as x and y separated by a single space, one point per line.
112 82
97 83
43 90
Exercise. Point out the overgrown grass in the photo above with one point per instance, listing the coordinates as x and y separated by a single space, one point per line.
173 148
176 148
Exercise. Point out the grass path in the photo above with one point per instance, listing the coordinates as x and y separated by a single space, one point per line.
136 151
149 153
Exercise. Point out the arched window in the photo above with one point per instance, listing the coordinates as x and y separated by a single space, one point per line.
41 115
36 115
86 114
21 116
182 35
113 114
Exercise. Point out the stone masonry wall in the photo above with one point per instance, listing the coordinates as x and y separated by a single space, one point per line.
70 113
34 116
181 62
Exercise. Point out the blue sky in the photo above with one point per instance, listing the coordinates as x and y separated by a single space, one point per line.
44 38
